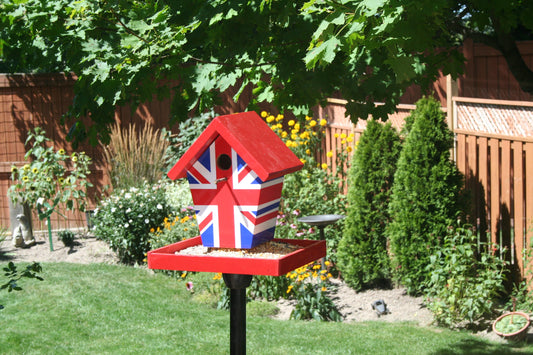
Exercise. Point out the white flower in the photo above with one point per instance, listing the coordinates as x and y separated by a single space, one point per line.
126 225
127 195
40 201
146 221
113 210
128 210
159 206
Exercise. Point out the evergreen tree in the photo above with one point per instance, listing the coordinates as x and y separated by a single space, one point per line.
426 194
362 255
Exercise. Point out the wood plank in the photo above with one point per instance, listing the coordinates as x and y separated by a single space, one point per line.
494 189
518 202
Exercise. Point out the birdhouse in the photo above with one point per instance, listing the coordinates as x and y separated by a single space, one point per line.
235 170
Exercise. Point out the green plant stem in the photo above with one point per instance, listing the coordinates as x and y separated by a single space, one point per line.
49 223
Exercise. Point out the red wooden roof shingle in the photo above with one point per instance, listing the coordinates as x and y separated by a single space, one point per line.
252 139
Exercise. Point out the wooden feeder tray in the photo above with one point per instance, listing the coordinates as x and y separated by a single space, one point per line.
165 258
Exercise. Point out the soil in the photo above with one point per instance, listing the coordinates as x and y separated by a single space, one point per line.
354 306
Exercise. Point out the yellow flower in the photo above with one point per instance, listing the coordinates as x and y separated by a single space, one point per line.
327 263
349 139
291 123
307 118
312 123
323 122
74 159
329 154
323 278
303 160
14 169
343 135
297 127
61 151
294 137
308 151
288 144
270 118
349 149
279 117
152 230
183 275
324 289
264 114
343 141
25 179
217 276
61 180
336 135
324 166
289 289
284 134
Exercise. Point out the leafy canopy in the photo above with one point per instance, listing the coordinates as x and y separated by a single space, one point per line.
291 54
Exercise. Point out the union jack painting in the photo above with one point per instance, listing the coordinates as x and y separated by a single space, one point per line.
235 170
234 207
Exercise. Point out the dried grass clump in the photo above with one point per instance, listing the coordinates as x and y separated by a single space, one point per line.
135 155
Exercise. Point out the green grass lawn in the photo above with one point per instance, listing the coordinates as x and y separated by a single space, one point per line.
109 309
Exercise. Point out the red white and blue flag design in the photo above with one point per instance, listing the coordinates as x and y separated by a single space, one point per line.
242 212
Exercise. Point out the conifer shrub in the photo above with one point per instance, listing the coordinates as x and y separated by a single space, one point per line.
426 195
362 254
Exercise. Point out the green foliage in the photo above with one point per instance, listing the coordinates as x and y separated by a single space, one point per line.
14 275
314 189
189 130
309 286
293 55
511 324
426 195
45 182
66 237
125 218
270 288
363 256
465 278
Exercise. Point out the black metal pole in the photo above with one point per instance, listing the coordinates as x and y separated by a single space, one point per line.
237 285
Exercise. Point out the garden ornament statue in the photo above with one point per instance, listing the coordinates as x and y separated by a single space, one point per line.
22 234
380 307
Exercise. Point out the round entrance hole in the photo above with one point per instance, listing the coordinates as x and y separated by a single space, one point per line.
224 162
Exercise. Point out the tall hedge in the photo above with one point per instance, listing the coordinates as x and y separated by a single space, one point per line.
362 254
426 194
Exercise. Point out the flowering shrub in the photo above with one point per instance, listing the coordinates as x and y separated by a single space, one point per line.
315 189
309 286
45 183
124 220
463 281
181 223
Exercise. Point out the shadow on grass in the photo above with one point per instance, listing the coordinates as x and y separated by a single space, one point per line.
482 347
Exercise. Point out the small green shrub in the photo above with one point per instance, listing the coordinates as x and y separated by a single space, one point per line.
189 130
363 256
124 220
426 195
66 237
463 283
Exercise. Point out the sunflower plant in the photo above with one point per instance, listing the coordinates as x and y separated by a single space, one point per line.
50 178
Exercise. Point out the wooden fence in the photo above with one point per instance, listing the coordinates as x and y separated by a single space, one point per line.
498 166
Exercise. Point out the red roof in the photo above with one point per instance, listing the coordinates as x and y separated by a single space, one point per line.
252 139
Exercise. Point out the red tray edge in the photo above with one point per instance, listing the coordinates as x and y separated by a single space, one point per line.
165 259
